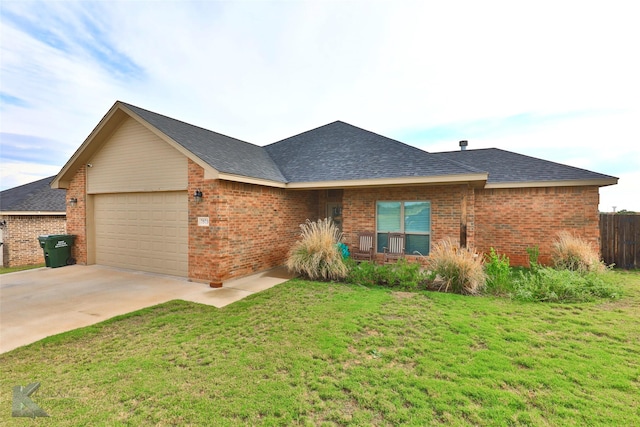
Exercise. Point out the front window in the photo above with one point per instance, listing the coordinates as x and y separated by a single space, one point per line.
411 218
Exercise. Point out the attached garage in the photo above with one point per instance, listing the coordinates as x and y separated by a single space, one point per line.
137 201
143 231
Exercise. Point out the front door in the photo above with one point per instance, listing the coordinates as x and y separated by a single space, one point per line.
334 211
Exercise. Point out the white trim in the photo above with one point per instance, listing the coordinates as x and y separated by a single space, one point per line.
566 183
250 180
385 182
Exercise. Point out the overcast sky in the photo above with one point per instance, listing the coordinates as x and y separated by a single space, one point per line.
557 80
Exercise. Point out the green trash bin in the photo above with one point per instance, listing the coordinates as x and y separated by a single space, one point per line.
57 249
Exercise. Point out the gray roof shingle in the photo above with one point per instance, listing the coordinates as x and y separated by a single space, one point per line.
340 151
223 153
508 167
36 196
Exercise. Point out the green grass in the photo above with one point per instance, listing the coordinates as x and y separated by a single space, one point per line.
4 270
308 353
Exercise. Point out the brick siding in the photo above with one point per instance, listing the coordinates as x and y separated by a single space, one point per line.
20 237
509 220
251 227
512 220
76 215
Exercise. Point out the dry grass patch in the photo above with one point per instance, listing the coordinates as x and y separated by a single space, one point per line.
570 252
316 255
460 269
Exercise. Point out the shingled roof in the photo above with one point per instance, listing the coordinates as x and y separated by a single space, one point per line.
339 151
334 155
34 197
506 167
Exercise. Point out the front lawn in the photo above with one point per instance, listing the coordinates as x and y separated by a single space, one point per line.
310 353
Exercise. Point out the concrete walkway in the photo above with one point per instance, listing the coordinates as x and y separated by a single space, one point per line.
47 301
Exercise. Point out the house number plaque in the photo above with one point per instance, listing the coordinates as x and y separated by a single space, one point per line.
203 221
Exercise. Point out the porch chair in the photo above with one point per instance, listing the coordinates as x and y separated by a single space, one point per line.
364 249
395 248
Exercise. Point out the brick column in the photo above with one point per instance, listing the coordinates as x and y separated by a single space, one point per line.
77 215
204 244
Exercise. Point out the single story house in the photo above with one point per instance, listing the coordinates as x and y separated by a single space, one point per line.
26 212
160 195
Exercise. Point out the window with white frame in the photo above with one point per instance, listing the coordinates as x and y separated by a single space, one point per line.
411 218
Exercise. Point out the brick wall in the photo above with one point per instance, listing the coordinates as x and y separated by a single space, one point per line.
251 227
263 224
204 242
76 215
512 220
359 209
20 237
509 220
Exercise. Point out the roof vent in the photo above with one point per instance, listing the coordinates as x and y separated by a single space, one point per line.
463 145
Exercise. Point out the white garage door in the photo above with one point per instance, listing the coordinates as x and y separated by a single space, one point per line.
143 231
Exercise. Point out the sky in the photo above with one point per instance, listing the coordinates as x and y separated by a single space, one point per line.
556 79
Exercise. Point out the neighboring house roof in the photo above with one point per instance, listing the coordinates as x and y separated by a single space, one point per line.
33 198
339 152
512 169
334 155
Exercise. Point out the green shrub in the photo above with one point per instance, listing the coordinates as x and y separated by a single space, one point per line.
551 285
317 255
498 274
534 253
573 253
364 273
402 274
459 269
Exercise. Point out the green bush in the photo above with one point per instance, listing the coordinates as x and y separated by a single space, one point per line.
460 269
403 275
571 252
498 274
364 273
317 255
534 253
550 285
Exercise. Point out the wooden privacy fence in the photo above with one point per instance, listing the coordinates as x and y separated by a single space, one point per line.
620 240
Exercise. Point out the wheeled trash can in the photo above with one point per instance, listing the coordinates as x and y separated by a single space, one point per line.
57 249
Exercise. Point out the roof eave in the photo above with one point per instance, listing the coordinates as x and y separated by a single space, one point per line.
476 180
249 180
600 182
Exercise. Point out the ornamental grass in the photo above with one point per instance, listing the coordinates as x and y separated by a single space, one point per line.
316 255
460 269
570 252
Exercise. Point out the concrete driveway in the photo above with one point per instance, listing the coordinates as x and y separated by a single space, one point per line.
37 303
